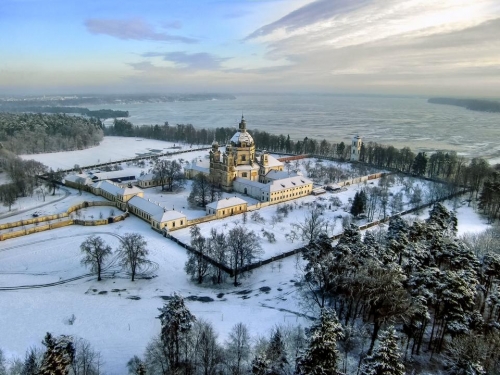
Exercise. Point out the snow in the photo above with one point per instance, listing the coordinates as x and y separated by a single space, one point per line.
110 149
120 327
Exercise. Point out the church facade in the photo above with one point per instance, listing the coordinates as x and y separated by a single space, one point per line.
239 160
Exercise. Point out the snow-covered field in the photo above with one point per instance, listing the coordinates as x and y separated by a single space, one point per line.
118 316
110 149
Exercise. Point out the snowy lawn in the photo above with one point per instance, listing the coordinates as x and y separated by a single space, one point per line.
116 315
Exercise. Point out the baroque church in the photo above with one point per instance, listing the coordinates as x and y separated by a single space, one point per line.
239 160
238 167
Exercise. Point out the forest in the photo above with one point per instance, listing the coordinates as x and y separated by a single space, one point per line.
99 113
29 133
412 299
471 104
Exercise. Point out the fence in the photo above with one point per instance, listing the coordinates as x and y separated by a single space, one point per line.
40 228
286 254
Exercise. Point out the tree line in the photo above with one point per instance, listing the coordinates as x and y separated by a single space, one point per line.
30 133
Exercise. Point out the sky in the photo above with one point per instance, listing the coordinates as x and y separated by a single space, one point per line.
420 47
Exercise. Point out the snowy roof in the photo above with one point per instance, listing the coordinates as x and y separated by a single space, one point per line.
131 190
168 215
288 183
146 177
273 162
251 183
145 205
278 175
112 174
240 137
78 178
225 203
195 167
115 189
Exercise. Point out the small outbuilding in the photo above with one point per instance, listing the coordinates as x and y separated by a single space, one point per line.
227 207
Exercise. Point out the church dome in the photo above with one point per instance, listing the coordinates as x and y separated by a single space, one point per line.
242 136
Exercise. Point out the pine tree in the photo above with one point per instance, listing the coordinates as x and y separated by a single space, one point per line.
176 322
260 365
3 365
358 204
385 359
58 356
30 366
276 354
321 356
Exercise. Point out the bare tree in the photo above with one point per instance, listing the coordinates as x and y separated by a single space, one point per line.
133 253
87 361
243 246
197 265
313 225
168 173
238 349
95 252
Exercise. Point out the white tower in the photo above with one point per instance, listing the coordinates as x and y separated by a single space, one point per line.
356 147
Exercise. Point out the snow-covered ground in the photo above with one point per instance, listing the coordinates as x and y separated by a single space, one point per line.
118 316
110 149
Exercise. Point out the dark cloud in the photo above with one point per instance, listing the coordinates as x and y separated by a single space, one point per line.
192 61
311 13
131 29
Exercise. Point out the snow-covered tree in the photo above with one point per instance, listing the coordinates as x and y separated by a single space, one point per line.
197 264
58 357
321 356
386 358
133 253
95 251
276 354
3 364
238 349
176 322
31 362
243 247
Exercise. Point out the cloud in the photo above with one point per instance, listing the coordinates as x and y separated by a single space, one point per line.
131 29
172 25
316 11
191 61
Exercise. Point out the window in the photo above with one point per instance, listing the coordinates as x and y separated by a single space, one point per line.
173 224
243 158
182 222
244 174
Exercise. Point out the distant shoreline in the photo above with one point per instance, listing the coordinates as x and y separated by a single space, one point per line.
470 104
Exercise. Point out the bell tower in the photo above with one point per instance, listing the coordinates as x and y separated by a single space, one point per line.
356 147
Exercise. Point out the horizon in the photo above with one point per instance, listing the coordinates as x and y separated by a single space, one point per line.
361 47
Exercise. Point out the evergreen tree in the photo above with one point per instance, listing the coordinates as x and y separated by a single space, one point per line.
321 356
260 365
30 366
358 204
176 322
385 359
3 364
276 354
58 356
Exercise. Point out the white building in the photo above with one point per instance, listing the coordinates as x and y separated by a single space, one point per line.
275 191
227 207
356 147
